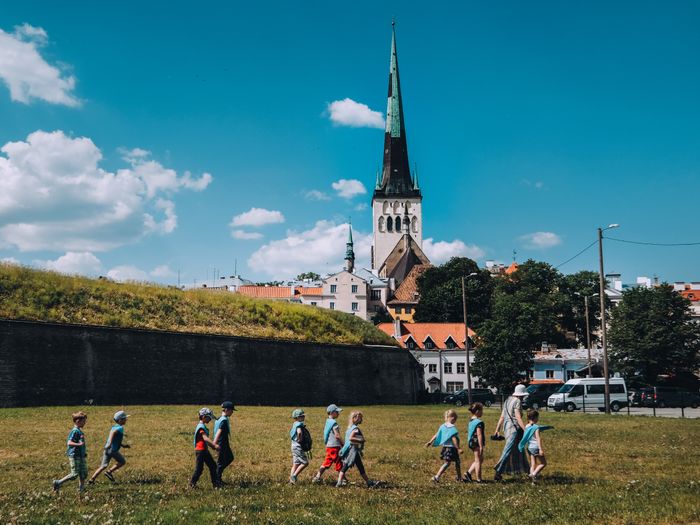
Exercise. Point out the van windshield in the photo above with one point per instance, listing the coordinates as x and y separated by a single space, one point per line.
532 389
565 389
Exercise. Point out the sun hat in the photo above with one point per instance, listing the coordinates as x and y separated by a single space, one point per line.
206 412
120 415
228 405
298 412
520 391
333 408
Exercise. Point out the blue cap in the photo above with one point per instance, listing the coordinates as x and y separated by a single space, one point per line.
333 408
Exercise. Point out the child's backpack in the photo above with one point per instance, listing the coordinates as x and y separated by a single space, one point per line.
306 442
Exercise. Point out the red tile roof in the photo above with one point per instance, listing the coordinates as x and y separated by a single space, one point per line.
407 292
438 332
512 268
691 295
312 290
268 292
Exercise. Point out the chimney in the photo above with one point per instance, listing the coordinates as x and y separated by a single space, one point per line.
397 329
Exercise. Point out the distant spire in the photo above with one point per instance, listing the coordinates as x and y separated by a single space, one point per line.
396 173
415 178
349 251
377 184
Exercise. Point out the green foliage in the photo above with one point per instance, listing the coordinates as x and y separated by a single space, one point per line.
310 276
573 312
440 290
382 316
651 333
525 312
46 296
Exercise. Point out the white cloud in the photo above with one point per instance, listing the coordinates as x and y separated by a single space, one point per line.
163 271
10 260
127 273
55 196
257 217
320 249
540 240
25 72
82 263
442 251
316 195
361 206
245 236
538 184
349 188
347 112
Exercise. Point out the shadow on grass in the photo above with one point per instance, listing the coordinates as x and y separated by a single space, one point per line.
554 479
144 480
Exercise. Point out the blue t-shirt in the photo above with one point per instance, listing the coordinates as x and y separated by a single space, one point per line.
73 451
471 429
293 431
224 424
116 439
444 435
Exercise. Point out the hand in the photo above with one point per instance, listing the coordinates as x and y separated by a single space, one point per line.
428 444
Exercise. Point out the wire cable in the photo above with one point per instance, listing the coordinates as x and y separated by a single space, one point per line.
655 243
574 257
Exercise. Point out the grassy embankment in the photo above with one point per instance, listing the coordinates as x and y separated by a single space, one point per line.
29 294
603 469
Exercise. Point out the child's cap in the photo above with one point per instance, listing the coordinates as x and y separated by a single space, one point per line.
297 413
120 415
206 412
333 408
228 405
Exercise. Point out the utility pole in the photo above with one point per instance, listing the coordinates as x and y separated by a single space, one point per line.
588 337
466 335
602 316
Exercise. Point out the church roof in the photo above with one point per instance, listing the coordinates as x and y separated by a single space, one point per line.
396 180
407 292
405 255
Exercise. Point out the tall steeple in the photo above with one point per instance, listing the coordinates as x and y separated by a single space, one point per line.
349 251
396 174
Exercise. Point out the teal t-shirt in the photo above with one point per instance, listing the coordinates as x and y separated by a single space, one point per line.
293 431
224 424
116 439
471 429
73 451
444 435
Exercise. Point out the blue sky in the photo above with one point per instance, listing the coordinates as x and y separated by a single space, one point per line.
133 135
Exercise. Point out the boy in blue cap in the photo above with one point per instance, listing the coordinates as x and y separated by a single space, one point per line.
201 453
76 452
111 448
333 441
222 433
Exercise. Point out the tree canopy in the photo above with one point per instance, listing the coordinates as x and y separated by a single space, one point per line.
308 276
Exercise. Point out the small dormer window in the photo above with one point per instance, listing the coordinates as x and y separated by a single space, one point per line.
429 344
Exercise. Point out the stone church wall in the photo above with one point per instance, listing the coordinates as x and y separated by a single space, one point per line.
52 364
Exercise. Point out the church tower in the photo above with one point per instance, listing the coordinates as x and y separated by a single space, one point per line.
397 199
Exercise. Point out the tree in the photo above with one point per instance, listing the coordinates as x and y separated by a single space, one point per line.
440 292
526 311
382 316
652 334
573 314
310 276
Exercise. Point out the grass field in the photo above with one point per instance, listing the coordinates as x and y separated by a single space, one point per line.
602 470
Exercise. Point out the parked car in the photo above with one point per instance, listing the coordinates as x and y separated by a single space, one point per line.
538 393
636 396
666 396
589 392
461 397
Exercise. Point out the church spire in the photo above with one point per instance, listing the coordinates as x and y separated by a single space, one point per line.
396 174
349 251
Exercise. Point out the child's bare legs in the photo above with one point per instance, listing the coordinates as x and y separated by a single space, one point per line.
116 467
475 467
442 470
296 469
541 463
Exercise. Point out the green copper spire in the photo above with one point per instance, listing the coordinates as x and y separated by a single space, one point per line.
349 251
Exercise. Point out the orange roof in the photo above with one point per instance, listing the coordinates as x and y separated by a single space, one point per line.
691 295
512 268
267 292
438 332
407 292
315 290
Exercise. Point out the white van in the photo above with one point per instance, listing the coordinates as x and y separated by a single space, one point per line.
589 392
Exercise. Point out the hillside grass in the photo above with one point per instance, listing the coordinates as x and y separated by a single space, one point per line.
602 469
35 295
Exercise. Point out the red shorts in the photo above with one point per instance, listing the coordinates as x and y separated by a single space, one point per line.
333 457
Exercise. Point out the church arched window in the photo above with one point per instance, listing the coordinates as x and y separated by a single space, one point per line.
407 205
390 224
396 207
414 224
406 223
385 207
380 224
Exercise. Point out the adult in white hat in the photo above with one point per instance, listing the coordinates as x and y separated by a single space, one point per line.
512 461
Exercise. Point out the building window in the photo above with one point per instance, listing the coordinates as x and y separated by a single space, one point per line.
570 374
377 308
411 345
376 295
549 374
450 343
355 307
332 306
353 288
397 309
313 303
334 288
408 309
390 224
454 386
429 345
432 369
448 367
460 368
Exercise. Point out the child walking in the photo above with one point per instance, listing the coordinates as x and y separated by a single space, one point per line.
76 452
333 441
111 448
532 440
351 453
222 433
300 457
447 436
476 442
201 453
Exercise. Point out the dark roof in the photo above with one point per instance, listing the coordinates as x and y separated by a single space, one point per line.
405 255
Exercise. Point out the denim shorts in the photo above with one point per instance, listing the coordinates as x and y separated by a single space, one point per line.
107 456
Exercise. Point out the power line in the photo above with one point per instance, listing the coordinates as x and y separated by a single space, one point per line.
574 257
655 243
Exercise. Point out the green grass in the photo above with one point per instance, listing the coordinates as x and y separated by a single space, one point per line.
35 295
602 469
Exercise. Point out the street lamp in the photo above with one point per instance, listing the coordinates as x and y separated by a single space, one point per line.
466 333
602 315
588 330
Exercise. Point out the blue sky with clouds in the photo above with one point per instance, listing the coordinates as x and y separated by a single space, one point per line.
139 140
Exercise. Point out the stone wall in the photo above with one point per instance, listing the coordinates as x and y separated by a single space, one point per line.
54 364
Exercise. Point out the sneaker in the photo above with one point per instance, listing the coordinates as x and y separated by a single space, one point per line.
292 480
372 483
315 479
110 476
497 477
56 485
91 481
467 477
435 479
